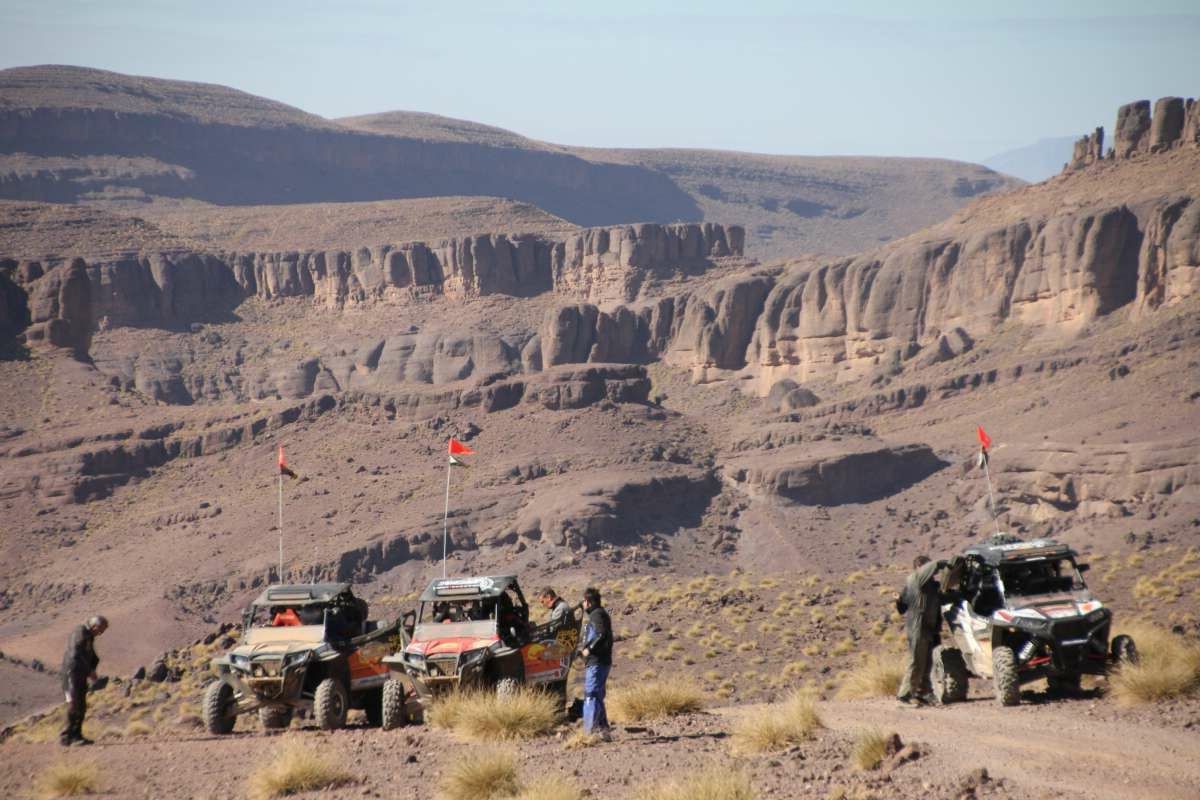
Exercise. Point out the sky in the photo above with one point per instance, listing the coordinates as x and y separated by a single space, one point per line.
961 80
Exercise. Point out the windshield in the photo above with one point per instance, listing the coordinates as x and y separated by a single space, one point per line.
1028 578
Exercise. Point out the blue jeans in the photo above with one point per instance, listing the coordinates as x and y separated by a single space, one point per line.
595 715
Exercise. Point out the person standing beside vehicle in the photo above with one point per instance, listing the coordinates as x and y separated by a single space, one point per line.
920 603
557 607
78 667
597 652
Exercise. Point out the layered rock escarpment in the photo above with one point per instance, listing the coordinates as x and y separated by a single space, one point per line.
173 289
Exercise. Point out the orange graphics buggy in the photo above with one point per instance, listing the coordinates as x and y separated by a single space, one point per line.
475 632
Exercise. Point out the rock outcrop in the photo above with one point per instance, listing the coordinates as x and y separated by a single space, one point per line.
1175 121
1133 129
1088 150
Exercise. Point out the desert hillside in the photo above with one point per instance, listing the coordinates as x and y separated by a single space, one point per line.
128 143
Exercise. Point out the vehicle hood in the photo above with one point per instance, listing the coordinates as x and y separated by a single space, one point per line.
449 646
1060 605
270 649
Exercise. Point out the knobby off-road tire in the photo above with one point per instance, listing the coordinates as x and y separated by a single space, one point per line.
373 707
330 704
507 687
1004 676
949 675
1124 651
220 708
394 713
274 718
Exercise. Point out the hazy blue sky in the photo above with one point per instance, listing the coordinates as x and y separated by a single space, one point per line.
951 79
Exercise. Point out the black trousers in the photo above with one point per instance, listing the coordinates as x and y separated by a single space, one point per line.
76 692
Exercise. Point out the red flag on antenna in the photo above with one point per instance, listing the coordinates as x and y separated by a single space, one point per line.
984 439
457 448
283 467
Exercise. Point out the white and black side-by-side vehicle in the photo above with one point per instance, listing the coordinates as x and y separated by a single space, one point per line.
1018 612
303 647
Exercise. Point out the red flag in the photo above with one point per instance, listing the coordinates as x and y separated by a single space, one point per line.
984 439
283 467
457 448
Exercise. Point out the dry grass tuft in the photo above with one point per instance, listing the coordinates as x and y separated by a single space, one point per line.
487 716
654 700
869 749
296 768
712 784
550 788
793 721
67 779
580 740
487 775
877 675
1169 667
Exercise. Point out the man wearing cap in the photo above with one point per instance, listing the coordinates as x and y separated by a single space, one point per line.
79 665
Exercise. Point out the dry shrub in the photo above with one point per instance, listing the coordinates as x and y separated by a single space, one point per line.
293 769
711 784
1169 667
137 728
780 726
655 700
67 779
487 716
580 740
877 675
486 775
869 749
549 788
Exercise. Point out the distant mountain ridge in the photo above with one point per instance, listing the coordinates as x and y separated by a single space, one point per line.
71 134
1034 162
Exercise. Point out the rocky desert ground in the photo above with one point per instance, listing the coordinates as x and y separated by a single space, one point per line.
738 393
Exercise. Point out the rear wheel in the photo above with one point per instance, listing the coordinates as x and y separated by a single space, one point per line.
1124 651
275 717
1004 676
507 687
329 704
220 708
949 675
392 707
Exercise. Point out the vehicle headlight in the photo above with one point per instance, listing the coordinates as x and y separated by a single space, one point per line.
1097 615
472 657
240 662
416 659
296 658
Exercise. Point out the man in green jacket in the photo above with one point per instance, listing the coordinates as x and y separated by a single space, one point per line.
920 603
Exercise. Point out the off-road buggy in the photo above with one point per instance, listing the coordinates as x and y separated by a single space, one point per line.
1019 611
307 646
475 632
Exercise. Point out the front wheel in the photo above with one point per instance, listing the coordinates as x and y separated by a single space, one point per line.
507 687
1004 676
329 704
220 708
949 675
394 712
275 717
1124 651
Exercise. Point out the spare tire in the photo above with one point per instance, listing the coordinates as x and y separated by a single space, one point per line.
949 675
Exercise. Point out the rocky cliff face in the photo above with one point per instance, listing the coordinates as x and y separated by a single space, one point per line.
1173 123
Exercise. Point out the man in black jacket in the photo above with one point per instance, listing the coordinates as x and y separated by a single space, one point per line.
597 650
79 665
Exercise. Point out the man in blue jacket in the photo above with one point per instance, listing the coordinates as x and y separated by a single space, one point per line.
597 652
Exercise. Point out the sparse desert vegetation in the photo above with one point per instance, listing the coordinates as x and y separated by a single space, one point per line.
711 784
781 725
870 746
488 716
294 768
875 675
654 700
493 775
67 778
1169 666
